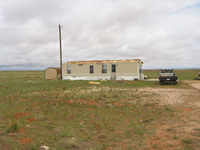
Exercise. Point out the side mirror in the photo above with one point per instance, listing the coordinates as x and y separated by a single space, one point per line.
158 73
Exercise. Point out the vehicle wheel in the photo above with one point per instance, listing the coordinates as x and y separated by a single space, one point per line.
161 83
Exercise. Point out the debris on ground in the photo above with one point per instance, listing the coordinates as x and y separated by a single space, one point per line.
92 82
44 148
103 80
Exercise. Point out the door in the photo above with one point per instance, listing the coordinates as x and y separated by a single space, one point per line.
113 72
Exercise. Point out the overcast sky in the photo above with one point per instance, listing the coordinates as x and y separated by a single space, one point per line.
163 33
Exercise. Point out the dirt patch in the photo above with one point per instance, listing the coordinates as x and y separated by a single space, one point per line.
60 100
36 104
92 103
195 84
21 114
82 101
32 120
22 130
185 109
163 140
70 101
17 109
22 99
118 104
182 125
89 108
175 97
26 140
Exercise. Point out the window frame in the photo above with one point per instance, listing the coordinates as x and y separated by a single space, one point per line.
69 71
91 69
113 70
104 70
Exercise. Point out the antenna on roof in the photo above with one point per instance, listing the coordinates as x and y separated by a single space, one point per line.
60 49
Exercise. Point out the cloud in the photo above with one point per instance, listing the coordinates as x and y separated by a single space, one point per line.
164 34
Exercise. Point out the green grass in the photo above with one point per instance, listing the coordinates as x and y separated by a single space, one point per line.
14 127
63 114
183 74
21 74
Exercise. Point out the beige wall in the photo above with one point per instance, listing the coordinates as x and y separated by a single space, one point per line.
126 67
85 69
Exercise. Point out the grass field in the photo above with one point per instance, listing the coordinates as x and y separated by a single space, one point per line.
63 114
183 74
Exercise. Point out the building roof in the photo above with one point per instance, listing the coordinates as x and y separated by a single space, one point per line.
103 61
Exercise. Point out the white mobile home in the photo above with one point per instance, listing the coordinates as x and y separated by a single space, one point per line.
103 69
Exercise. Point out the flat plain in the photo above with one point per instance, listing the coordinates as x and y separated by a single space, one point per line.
64 114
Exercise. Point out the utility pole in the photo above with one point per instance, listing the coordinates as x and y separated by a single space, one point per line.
60 49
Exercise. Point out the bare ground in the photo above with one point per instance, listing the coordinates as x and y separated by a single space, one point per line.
182 131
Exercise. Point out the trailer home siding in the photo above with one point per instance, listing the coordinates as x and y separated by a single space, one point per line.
107 69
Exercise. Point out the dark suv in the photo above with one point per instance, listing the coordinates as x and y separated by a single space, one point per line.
167 76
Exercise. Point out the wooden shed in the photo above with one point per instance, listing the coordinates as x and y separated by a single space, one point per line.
53 73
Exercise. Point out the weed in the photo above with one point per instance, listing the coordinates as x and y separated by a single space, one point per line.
114 96
67 134
68 144
186 141
33 147
14 127
154 146
110 90
139 129
170 145
169 129
41 118
197 132
175 137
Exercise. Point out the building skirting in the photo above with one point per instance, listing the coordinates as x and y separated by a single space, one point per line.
101 77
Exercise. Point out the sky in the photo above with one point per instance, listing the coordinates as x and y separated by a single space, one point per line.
164 34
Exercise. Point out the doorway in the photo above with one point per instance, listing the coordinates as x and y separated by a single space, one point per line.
113 72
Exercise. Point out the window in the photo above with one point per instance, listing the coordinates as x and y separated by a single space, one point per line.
68 69
113 68
80 64
104 69
91 69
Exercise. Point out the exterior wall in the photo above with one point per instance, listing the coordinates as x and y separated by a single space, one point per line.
51 73
124 71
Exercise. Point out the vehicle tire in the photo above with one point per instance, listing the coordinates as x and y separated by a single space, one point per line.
161 83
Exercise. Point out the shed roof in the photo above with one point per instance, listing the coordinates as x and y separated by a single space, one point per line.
103 61
56 68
